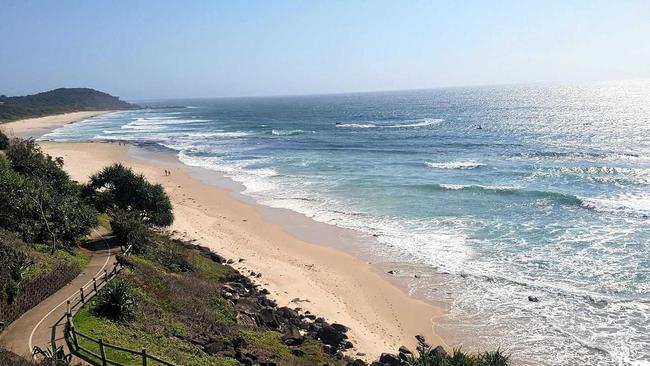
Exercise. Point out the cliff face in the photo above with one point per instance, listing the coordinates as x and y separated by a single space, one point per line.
62 100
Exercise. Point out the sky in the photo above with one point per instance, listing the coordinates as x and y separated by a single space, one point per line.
182 49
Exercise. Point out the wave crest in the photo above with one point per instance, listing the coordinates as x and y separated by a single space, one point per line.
470 164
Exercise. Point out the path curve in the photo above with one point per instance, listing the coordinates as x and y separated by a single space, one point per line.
34 328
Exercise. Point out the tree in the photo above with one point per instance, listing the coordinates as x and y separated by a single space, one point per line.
4 141
117 187
41 202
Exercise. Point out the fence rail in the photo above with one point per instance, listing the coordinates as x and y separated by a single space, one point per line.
85 294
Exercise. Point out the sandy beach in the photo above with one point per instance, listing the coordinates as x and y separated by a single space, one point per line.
326 281
38 126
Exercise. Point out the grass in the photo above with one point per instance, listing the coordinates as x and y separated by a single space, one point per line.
177 290
45 263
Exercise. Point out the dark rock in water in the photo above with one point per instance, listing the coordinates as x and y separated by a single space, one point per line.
389 359
230 261
329 335
292 337
533 298
391 272
339 327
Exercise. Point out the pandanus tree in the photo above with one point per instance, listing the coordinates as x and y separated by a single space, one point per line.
118 188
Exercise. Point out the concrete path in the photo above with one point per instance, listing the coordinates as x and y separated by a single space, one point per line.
34 328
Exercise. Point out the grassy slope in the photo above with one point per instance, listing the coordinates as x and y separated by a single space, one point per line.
175 307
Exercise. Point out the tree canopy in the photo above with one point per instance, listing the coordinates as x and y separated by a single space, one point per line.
38 200
117 187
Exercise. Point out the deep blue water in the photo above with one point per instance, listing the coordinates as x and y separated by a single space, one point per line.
513 191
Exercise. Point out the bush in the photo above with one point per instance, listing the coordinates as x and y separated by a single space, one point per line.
13 265
38 199
428 356
4 141
129 228
115 301
117 187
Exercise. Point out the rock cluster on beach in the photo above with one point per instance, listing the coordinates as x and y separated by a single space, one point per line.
254 308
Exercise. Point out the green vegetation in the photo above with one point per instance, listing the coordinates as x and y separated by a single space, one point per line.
43 218
115 301
63 100
117 187
4 141
178 292
39 201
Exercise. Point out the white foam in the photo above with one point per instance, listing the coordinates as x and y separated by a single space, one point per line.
470 164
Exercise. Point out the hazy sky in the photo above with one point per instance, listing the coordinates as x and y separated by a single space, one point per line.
157 49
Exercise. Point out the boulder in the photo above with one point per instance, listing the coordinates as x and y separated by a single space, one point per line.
292 337
532 298
215 348
339 327
329 335
389 359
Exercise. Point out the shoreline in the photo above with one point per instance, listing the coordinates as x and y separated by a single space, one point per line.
298 268
35 127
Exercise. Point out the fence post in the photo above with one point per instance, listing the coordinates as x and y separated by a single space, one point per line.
94 284
74 337
105 275
83 300
144 357
102 352
68 309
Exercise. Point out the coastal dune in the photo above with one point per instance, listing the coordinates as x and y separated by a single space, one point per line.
325 281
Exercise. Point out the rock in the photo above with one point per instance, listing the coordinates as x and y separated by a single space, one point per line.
230 261
389 359
297 352
532 298
247 306
339 327
347 345
330 336
268 317
391 272
405 350
215 348
358 362
439 350
292 337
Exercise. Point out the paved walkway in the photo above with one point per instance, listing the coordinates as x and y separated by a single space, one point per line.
34 328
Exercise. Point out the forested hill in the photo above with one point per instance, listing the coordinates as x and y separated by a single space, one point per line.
62 100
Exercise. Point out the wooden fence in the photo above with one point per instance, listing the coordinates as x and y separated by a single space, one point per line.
84 295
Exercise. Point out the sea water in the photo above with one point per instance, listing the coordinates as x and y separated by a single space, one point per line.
506 192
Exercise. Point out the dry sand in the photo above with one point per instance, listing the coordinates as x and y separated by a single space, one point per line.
38 126
326 281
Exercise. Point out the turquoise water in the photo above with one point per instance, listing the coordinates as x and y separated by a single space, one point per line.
510 191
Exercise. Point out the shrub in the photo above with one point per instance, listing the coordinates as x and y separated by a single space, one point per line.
39 200
4 141
13 265
115 301
428 356
117 187
56 357
129 228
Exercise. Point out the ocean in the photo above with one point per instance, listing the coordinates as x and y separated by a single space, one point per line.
491 194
